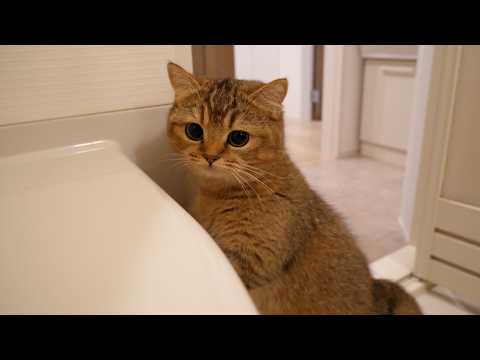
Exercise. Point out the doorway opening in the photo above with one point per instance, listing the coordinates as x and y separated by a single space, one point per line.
317 89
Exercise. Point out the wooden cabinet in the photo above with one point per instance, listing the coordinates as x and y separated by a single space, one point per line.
386 109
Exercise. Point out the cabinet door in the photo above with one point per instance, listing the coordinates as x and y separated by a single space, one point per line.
387 103
449 224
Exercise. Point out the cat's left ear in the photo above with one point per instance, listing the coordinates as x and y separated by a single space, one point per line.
270 96
184 84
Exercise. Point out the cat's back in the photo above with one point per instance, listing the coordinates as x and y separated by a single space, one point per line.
328 273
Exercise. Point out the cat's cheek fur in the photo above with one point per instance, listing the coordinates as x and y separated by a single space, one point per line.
267 155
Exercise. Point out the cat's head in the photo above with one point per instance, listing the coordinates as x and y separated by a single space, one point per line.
226 129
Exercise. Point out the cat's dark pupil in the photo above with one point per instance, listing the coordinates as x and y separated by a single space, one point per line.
194 131
238 138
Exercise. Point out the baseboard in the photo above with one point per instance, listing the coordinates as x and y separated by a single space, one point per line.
384 154
349 153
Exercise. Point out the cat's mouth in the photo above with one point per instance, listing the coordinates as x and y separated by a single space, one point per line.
220 169
210 170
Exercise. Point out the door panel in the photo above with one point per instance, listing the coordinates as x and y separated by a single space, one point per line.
462 173
459 281
456 251
458 218
446 224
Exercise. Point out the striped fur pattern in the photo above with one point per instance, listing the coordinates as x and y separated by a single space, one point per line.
292 251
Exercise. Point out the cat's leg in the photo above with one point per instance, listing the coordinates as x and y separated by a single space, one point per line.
257 264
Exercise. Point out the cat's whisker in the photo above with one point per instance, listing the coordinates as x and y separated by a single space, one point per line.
250 170
239 168
266 172
181 163
257 179
259 170
177 159
170 160
240 182
251 187
171 156
247 170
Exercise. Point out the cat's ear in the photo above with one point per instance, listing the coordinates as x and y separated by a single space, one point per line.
184 84
270 96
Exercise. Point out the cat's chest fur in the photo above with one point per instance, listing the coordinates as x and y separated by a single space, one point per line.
223 218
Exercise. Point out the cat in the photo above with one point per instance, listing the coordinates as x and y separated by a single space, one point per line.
293 252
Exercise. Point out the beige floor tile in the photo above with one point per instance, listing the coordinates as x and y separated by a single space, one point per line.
366 192
395 266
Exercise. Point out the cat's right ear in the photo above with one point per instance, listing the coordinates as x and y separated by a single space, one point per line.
184 84
270 96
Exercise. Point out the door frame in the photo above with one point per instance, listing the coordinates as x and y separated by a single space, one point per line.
332 98
318 65
438 120
341 107
214 61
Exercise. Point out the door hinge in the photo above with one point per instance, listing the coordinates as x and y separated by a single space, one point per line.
315 96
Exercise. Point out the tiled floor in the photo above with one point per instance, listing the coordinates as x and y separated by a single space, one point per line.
366 192
436 302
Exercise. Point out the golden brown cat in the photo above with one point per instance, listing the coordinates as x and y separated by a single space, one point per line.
293 252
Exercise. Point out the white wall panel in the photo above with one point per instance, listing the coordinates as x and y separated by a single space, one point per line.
44 82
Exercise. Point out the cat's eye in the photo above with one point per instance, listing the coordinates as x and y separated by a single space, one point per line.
194 131
238 138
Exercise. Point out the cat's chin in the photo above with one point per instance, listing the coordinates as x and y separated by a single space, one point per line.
210 172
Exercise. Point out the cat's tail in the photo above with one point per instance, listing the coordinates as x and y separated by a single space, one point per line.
393 299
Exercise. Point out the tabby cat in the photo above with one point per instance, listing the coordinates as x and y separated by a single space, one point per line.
292 251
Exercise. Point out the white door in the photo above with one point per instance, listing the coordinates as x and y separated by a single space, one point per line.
446 224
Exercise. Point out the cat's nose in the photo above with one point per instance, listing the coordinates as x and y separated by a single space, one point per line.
211 158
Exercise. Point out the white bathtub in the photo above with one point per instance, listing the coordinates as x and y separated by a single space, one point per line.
84 231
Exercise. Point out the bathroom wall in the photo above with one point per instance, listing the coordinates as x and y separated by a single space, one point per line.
45 82
270 62
64 95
